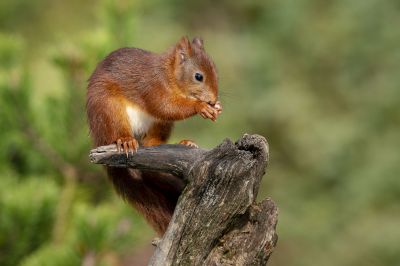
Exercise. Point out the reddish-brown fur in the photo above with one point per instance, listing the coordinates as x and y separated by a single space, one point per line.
161 85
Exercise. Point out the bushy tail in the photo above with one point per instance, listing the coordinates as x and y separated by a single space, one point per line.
153 194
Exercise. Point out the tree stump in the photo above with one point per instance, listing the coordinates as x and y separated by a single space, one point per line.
217 220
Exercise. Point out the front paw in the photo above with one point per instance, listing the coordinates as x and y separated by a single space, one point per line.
127 145
189 143
207 111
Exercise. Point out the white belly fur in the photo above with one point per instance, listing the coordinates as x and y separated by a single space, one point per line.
140 121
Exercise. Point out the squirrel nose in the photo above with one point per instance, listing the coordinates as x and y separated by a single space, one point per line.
212 103
212 100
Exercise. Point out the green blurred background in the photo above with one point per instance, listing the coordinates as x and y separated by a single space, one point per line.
319 79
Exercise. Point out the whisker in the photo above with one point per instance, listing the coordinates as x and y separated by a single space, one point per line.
228 95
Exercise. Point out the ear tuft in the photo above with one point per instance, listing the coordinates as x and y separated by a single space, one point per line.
183 49
198 42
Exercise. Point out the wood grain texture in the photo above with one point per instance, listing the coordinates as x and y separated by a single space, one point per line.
217 220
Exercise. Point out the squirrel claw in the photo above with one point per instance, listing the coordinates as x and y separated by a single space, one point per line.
209 111
127 145
132 146
189 143
126 149
119 144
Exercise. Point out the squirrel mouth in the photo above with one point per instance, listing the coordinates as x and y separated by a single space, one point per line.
197 97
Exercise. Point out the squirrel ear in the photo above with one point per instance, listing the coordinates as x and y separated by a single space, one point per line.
183 49
198 42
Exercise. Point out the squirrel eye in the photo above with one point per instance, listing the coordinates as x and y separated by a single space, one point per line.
198 77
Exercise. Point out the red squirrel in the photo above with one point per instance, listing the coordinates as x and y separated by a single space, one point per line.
133 98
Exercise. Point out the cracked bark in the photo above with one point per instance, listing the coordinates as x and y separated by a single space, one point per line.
217 220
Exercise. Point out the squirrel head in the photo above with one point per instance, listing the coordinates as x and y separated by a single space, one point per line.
194 71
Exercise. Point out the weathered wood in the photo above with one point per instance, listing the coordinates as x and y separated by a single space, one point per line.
173 159
217 220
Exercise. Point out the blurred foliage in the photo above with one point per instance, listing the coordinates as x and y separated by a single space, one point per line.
319 79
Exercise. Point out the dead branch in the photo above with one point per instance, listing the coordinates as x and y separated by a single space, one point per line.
217 220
